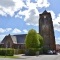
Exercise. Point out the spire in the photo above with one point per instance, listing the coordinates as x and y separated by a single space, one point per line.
45 12
9 35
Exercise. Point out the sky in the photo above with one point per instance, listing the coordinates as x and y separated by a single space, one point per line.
19 16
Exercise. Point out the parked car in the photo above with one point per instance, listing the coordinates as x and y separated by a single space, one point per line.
50 52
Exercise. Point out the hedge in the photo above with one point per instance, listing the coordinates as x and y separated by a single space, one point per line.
19 51
32 51
6 52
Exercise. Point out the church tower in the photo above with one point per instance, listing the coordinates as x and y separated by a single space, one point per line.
46 30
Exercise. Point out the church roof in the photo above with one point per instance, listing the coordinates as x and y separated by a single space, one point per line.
45 12
17 39
14 39
20 38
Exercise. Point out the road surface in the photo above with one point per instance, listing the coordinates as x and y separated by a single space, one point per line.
40 57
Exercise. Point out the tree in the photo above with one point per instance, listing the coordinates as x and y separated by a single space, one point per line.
31 39
33 42
40 38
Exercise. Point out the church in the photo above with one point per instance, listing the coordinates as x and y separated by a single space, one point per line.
46 30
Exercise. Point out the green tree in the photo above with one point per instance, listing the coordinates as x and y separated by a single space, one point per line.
40 38
33 42
31 39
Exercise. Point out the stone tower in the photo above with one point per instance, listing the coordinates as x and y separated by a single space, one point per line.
46 30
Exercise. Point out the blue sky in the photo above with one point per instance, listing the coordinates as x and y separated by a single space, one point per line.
19 16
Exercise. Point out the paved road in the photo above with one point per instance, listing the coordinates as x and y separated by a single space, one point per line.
40 57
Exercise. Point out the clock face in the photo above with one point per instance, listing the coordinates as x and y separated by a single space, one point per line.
44 16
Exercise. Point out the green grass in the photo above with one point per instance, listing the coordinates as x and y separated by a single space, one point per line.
9 57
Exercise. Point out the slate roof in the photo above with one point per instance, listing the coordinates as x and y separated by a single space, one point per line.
17 39
20 38
45 12
4 39
14 39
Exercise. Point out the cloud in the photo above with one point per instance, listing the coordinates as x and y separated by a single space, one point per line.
25 31
2 13
7 3
57 27
8 29
5 30
56 23
9 7
33 17
42 3
52 14
2 30
31 13
16 31
38 3
1 37
58 40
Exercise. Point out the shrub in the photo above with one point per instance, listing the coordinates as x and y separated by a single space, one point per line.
45 50
32 51
7 52
19 51
41 51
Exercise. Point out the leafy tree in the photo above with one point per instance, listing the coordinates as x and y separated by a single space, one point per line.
40 38
33 42
31 39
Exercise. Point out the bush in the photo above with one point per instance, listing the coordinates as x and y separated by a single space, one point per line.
31 51
6 52
45 50
19 51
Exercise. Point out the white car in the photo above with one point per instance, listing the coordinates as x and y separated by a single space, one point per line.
50 52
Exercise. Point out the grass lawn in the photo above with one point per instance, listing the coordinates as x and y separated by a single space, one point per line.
9 57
